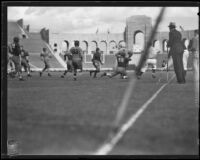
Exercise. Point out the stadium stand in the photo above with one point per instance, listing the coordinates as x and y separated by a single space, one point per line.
33 44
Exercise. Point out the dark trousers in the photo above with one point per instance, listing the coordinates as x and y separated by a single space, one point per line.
178 67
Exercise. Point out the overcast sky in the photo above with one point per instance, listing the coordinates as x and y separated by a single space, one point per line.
88 19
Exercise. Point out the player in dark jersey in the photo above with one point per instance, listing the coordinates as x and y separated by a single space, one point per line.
68 59
123 57
77 58
25 61
45 57
15 51
96 60
128 55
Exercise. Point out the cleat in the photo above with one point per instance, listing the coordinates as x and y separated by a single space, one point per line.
29 75
49 74
62 76
40 74
75 79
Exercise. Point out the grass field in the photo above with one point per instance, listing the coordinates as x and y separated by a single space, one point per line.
50 115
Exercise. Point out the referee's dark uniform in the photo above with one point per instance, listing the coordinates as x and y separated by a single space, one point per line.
176 51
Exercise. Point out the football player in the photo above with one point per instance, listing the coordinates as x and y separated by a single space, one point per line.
25 61
45 57
96 60
151 61
68 59
77 58
123 57
11 65
15 51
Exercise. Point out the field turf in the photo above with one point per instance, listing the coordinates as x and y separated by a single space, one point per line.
51 115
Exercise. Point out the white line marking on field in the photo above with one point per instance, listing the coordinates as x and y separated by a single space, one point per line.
22 30
106 148
33 65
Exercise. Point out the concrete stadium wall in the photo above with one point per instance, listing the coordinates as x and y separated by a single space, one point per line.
88 40
134 25
108 42
60 42
137 24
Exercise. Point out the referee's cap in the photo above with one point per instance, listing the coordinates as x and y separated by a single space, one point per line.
172 24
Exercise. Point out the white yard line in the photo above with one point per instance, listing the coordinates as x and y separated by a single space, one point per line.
108 147
22 30
33 65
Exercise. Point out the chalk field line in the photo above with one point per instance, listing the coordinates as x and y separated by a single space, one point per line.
108 147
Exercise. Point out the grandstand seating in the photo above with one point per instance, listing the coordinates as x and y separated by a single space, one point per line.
33 44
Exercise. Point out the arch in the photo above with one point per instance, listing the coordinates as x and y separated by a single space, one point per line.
84 46
93 46
122 42
103 46
186 42
65 45
164 43
112 46
156 45
138 40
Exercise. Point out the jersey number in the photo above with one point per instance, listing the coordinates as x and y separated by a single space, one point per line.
121 60
76 51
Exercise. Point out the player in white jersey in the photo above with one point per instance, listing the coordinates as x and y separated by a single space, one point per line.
45 57
151 61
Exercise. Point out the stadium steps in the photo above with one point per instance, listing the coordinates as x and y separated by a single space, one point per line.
33 44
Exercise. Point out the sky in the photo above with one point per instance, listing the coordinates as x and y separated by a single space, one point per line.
88 19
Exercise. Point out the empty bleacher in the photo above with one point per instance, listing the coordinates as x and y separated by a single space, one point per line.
33 44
